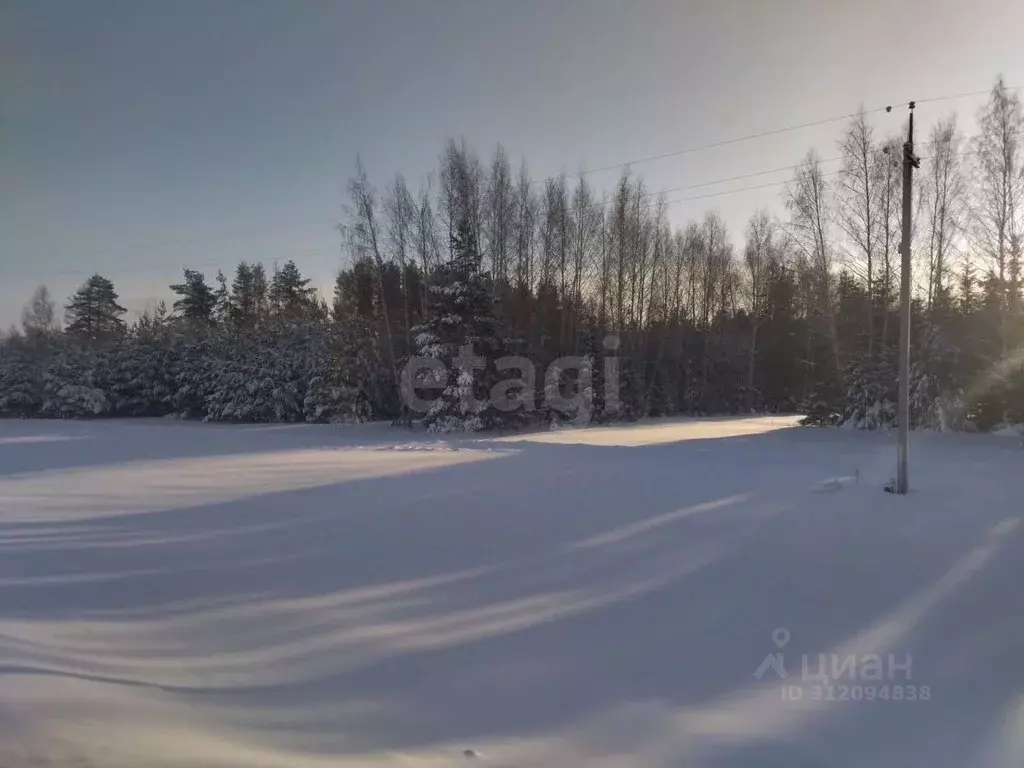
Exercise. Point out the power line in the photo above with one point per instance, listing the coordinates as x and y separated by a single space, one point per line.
737 178
780 183
969 94
716 144
777 170
688 150
772 132
742 189
155 268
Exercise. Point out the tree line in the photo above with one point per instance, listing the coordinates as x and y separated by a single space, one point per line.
799 316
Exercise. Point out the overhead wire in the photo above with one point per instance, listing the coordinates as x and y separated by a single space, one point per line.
628 163
156 268
770 132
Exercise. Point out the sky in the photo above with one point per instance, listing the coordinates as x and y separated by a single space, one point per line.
141 137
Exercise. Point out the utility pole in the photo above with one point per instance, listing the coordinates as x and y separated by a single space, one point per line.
910 162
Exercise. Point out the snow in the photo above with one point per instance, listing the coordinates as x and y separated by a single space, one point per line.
1009 430
182 594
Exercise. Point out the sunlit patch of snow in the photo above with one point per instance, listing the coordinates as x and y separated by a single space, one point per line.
654 432
31 439
154 486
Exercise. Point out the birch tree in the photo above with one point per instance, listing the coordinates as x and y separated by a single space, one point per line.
857 208
999 185
808 200
944 190
758 254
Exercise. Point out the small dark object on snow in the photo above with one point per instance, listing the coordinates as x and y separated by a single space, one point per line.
468 753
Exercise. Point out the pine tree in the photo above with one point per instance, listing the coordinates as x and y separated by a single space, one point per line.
355 292
197 301
356 337
93 312
290 292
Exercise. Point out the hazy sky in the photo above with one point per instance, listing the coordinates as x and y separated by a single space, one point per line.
141 137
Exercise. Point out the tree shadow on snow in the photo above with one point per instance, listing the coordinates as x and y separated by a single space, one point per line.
552 591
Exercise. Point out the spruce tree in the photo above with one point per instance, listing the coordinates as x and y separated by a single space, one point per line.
463 321
72 388
260 292
222 306
21 384
247 297
141 369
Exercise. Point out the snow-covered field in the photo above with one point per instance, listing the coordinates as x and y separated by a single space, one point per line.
176 594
